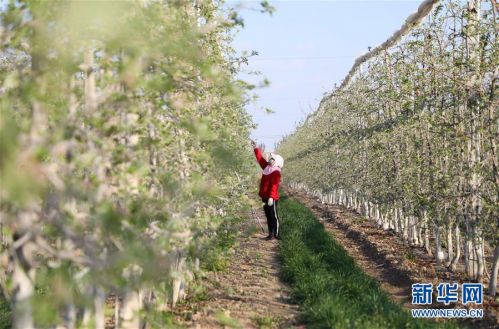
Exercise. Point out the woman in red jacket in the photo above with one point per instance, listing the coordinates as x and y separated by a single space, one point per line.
269 185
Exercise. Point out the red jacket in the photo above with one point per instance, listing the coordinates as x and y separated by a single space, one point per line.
270 178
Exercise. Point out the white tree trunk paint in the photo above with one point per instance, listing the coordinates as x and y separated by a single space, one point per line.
68 317
22 282
405 235
99 306
495 268
467 257
90 91
420 233
439 254
479 251
178 268
132 304
450 248
396 221
415 237
457 256
116 311
23 275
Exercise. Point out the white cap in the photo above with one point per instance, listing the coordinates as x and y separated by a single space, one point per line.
279 161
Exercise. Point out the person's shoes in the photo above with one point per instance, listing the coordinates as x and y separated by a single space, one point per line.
270 237
277 237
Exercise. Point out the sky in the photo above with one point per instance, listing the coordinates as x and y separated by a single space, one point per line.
305 48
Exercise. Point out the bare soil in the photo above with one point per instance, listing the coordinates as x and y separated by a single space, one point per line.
249 293
385 257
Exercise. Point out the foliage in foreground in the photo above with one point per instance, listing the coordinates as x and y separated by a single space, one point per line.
217 252
123 146
331 289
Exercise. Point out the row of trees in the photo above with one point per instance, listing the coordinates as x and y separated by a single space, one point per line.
123 146
411 141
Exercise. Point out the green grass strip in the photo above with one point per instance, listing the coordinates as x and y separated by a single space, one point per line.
330 288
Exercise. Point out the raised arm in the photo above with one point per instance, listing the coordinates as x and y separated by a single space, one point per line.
261 161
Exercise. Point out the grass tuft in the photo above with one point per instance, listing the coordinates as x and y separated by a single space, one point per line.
227 321
265 322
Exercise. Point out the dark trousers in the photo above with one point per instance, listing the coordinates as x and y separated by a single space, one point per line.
272 218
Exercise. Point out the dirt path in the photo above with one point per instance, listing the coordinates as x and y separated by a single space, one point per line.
383 256
248 294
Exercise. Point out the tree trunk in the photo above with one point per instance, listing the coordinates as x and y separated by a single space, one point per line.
427 234
178 281
69 316
415 237
132 304
90 91
467 263
99 306
450 250
396 220
474 146
455 260
23 275
439 255
23 288
116 311
495 268
405 220
480 256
